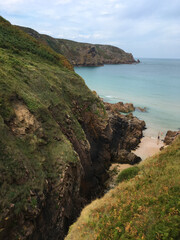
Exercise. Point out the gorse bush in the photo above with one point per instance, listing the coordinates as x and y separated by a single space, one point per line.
127 174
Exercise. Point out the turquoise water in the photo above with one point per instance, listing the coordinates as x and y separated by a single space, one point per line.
154 84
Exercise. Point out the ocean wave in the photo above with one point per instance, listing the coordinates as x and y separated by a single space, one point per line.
112 98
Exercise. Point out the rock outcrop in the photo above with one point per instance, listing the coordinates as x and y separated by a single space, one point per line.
119 107
140 109
127 132
171 136
126 137
84 54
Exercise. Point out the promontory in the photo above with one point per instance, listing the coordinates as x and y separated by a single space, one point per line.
84 54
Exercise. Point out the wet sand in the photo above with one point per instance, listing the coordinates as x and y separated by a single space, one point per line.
148 147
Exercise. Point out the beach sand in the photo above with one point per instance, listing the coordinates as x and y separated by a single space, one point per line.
148 147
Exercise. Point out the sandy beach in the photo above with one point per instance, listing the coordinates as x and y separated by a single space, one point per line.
148 147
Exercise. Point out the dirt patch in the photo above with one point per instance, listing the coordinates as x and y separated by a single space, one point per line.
24 122
114 170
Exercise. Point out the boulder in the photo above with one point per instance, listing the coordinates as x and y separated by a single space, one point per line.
171 136
126 157
144 109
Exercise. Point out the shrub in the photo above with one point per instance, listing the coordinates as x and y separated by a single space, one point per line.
127 174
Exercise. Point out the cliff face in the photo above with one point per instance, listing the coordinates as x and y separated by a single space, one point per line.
84 54
56 139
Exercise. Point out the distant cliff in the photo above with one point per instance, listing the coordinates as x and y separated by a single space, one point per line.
84 54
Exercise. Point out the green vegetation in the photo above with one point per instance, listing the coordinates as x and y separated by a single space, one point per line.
127 174
38 94
144 207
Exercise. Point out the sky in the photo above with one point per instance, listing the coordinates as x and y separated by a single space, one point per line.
145 28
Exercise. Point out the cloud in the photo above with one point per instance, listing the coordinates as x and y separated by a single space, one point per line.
59 2
129 24
10 2
45 32
10 5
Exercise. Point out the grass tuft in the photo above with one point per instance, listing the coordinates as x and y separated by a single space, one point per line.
127 174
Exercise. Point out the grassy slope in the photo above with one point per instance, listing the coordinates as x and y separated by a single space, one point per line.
41 79
145 207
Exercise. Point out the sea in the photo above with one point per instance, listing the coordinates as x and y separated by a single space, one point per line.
152 83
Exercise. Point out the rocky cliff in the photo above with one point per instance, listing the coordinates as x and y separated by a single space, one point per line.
56 139
84 54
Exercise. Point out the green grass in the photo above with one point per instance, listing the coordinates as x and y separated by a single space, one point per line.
145 207
127 174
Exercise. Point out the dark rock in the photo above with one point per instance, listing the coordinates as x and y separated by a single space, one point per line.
141 109
123 156
171 136
126 137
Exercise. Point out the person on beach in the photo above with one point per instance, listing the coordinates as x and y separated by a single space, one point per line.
158 139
